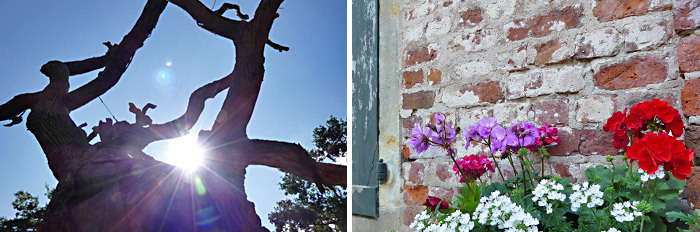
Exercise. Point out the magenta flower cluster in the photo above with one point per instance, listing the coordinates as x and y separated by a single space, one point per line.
473 166
440 133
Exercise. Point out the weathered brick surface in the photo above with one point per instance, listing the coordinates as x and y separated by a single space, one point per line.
418 100
444 171
508 113
413 172
475 40
646 35
567 18
637 71
595 108
692 138
690 99
410 212
686 15
569 140
407 125
692 188
567 79
413 77
442 193
599 43
488 91
516 61
597 141
608 10
553 52
631 98
551 112
414 194
419 56
434 76
561 169
568 64
689 54
470 17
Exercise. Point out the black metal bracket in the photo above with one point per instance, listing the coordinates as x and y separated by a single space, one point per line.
381 171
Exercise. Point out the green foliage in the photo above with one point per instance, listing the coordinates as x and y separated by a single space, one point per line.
29 213
330 140
309 209
691 220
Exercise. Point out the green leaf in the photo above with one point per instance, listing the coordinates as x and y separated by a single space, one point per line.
667 194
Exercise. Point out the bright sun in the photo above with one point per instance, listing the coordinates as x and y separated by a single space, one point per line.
185 153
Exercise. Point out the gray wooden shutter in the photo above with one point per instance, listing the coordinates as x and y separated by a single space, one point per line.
365 113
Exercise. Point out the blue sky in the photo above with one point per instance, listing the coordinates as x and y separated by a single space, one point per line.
302 87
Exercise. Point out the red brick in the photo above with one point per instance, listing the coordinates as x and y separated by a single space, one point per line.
412 78
570 16
551 112
435 76
561 169
568 143
414 194
637 71
689 53
692 138
419 56
634 98
471 17
686 15
406 152
407 125
546 50
692 188
608 10
689 98
597 141
418 100
442 193
444 171
488 91
410 213
415 172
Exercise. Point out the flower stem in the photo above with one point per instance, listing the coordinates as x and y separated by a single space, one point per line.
497 167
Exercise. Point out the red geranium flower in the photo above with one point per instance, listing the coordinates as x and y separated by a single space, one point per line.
656 149
432 203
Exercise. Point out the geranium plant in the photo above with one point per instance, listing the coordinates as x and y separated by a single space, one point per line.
641 195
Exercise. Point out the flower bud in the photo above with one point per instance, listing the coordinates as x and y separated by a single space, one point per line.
609 159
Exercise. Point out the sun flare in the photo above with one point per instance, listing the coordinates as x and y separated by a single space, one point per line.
185 153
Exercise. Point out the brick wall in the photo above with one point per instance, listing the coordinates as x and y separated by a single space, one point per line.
565 63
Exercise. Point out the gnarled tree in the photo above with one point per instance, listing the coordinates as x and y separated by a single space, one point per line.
114 185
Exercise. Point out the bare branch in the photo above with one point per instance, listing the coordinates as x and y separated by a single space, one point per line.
195 106
277 46
120 60
209 20
12 109
290 158
228 6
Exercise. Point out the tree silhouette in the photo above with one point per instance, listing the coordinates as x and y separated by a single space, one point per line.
114 185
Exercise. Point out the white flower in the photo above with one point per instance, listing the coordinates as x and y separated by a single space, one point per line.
497 210
611 230
591 196
548 190
456 221
659 174
625 212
